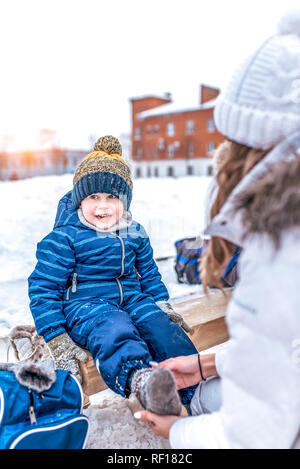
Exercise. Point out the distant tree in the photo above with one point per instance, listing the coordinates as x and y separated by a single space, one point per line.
14 177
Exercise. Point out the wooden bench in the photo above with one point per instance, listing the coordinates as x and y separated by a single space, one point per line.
205 315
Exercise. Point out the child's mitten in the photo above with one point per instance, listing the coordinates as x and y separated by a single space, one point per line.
173 315
66 354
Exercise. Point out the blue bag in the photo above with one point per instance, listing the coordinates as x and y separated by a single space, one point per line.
188 254
51 419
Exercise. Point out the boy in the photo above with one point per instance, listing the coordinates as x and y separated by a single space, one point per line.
96 284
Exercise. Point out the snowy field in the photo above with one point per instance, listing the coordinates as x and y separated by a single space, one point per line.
169 209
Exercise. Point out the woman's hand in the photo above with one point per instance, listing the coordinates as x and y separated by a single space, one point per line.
186 368
160 424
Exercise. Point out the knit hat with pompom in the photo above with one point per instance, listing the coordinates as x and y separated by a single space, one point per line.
105 171
261 105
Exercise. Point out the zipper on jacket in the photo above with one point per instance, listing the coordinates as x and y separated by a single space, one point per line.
73 286
123 255
74 283
121 290
122 268
31 409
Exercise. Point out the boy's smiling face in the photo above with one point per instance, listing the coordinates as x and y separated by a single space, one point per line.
102 210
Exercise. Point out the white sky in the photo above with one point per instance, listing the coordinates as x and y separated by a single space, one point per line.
72 65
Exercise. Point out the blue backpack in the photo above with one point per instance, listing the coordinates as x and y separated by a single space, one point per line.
50 419
188 253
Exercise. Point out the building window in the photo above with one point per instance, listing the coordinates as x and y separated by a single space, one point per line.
137 133
138 173
209 170
190 127
161 144
170 129
170 171
148 153
170 151
210 147
65 162
139 153
190 170
156 129
156 172
191 149
210 125
148 129
149 172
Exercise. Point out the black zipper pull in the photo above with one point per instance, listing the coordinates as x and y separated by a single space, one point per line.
31 409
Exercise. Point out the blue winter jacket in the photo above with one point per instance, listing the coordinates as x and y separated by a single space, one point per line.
77 263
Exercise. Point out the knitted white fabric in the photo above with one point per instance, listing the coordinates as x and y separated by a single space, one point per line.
261 104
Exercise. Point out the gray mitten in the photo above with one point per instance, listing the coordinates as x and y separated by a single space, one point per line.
175 317
156 390
66 354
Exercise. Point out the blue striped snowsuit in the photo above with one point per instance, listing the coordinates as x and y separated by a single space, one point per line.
102 289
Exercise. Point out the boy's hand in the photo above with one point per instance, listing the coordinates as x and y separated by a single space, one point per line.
173 315
66 354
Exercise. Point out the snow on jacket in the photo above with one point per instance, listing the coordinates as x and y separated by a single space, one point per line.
76 262
260 368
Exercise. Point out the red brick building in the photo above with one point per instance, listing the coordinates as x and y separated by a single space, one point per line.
169 140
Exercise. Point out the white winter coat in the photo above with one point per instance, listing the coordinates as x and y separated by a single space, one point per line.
260 368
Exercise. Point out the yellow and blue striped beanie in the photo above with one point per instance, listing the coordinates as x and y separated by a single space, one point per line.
105 171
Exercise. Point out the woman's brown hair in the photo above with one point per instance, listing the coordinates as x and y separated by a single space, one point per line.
238 161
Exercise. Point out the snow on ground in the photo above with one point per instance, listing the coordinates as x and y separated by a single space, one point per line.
112 424
169 209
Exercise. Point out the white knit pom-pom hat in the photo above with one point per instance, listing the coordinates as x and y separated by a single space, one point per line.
261 105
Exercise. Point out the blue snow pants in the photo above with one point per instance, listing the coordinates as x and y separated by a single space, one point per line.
124 338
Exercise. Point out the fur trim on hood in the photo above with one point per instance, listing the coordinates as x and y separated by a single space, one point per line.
38 377
272 204
27 344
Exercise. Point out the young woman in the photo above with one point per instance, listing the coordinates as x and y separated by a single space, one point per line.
257 207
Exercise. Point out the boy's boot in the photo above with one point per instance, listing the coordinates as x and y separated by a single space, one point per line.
156 391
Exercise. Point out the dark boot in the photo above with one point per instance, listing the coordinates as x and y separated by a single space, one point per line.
156 391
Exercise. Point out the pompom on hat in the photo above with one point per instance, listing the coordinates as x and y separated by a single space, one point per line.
105 171
261 105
